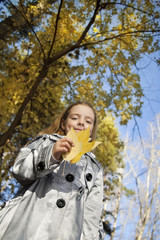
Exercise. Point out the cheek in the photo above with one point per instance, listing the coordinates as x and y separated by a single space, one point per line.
91 130
69 125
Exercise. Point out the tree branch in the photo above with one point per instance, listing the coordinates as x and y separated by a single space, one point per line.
119 36
18 116
56 28
16 21
90 23
71 47
104 5
29 25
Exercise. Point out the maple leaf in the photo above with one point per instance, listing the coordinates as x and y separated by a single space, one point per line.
82 145
77 146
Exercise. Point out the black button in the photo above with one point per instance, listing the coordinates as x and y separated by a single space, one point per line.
2 206
89 177
61 203
40 166
69 177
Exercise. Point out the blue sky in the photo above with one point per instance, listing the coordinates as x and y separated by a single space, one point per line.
150 80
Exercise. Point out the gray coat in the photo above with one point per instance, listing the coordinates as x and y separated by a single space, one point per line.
59 201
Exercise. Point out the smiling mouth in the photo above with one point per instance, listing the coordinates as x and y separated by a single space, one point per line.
78 129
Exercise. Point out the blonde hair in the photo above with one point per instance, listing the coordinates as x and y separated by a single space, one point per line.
56 127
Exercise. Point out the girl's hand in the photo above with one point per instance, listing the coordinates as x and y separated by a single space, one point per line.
63 145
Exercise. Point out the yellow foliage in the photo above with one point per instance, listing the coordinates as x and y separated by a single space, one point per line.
95 30
108 152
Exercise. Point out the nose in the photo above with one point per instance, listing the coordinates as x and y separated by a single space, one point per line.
81 122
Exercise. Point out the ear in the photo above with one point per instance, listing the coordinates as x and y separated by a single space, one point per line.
63 124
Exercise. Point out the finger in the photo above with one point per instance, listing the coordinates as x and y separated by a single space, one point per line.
64 150
67 146
69 140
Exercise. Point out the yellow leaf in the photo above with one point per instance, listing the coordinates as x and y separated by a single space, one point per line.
82 145
98 16
95 30
83 135
76 149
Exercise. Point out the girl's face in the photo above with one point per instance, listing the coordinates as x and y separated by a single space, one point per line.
80 118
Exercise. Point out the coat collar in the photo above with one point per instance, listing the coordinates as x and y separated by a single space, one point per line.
93 158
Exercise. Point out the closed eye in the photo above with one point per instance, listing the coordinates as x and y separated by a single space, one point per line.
74 118
89 122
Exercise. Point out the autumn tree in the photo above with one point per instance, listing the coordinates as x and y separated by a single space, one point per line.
55 52
138 215
110 154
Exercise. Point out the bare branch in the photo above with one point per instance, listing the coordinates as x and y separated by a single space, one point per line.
139 133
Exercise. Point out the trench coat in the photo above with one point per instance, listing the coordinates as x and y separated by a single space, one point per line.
58 201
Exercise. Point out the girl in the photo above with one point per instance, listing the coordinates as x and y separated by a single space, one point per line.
56 202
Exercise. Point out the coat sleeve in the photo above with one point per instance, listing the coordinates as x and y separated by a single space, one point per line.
34 160
93 211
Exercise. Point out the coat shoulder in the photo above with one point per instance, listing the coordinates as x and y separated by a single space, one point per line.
53 137
93 158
